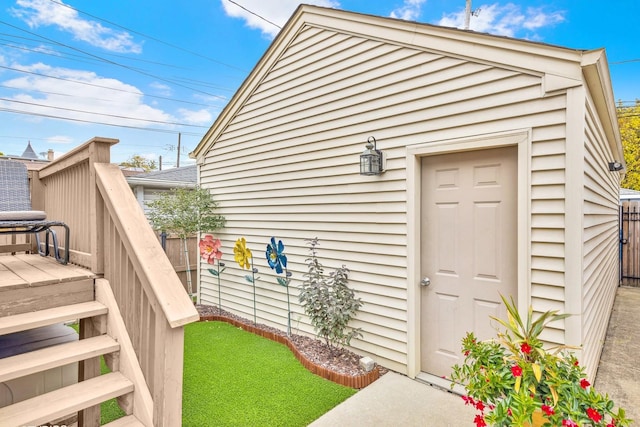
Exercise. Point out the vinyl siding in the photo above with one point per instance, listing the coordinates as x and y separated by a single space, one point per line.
286 165
600 276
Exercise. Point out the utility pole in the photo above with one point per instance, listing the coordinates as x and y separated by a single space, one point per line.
178 156
467 15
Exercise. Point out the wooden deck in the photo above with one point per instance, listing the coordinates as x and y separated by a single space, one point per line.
32 282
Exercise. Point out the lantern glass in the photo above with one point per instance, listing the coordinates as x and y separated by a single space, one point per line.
370 162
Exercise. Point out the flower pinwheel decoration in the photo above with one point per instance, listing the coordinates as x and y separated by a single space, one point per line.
241 254
210 249
244 258
278 261
275 256
210 252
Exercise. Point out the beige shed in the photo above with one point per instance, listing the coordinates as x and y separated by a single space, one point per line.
496 180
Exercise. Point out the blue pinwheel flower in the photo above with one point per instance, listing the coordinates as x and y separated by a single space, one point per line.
275 256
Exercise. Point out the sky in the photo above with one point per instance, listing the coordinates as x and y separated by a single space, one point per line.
155 74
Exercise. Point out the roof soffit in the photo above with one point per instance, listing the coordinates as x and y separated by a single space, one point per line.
598 80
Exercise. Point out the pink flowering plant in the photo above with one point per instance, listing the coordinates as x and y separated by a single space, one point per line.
511 378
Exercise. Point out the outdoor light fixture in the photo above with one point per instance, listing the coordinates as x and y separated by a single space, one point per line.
371 159
615 166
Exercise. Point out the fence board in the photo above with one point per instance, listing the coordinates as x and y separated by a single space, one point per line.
176 255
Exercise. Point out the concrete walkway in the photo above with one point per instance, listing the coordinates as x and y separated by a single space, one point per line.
398 401
619 370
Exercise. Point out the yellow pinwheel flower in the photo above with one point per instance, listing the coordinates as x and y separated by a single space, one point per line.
242 254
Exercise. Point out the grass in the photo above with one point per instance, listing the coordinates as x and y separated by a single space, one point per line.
235 378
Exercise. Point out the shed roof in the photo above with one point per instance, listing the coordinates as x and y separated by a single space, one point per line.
185 173
560 67
186 176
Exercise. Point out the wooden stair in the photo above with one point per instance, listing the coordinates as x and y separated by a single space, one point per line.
62 402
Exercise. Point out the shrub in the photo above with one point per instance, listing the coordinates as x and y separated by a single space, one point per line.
328 301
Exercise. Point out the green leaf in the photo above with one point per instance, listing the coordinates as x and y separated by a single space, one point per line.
212 271
283 282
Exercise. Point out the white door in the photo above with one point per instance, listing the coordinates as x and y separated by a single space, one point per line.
468 247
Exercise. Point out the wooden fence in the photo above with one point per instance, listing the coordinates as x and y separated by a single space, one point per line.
630 242
175 252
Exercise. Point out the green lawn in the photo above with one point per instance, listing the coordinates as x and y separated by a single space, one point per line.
235 378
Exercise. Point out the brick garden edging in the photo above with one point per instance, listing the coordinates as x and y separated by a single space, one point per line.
360 381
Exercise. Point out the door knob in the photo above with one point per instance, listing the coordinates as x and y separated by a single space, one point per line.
425 282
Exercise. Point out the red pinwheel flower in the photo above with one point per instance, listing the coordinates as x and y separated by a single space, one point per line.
569 423
548 410
516 371
584 383
594 415
479 420
525 348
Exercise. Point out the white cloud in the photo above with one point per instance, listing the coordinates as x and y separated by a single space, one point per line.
278 12
161 89
88 92
60 139
504 20
195 117
410 11
538 19
38 13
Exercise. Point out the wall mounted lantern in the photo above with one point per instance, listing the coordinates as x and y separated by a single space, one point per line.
615 166
371 159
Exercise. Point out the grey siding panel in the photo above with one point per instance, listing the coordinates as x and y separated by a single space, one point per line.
287 165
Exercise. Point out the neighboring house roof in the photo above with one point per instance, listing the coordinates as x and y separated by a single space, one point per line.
533 57
28 157
29 153
185 176
185 173
626 193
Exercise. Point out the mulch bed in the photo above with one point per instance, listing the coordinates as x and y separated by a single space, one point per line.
341 367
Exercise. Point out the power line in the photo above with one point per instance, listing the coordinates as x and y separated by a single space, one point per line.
625 61
107 87
101 114
106 60
150 37
50 116
253 13
73 57
57 53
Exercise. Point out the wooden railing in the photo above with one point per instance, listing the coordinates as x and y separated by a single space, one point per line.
66 189
111 236
149 294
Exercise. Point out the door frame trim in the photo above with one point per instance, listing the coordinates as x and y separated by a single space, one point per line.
520 138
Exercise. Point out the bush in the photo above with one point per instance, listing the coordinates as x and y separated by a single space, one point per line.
328 301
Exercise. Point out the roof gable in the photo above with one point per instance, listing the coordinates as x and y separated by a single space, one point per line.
559 68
